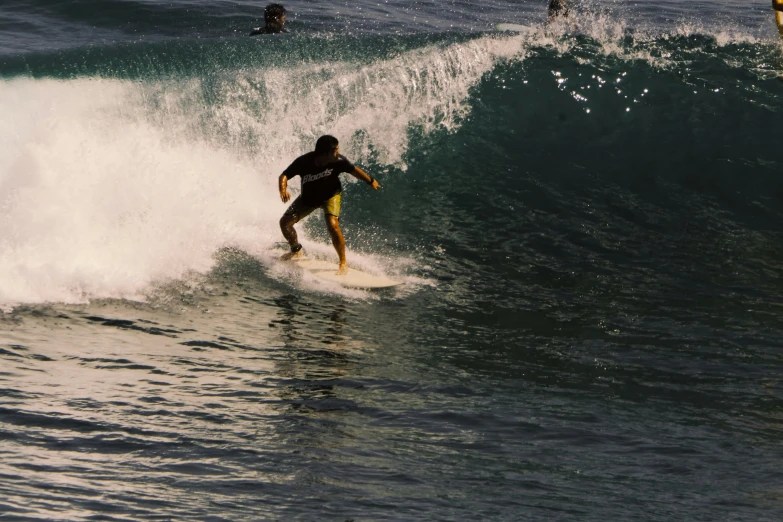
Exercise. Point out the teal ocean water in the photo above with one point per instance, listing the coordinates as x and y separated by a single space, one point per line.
587 216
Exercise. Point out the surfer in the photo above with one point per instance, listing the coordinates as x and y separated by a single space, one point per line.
777 5
321 188
558 9
274 21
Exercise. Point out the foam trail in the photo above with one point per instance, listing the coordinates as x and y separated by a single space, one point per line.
107 187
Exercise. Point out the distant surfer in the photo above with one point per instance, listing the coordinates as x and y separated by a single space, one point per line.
274 21
321 188
777 5
558 10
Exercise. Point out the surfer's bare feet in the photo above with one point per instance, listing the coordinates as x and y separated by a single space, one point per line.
292 255
343 269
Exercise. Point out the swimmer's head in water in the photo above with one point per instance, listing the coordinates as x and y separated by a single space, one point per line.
558 8
274 15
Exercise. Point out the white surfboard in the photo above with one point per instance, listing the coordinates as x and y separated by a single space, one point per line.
353 279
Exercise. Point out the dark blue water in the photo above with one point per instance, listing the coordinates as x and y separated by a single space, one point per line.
588 219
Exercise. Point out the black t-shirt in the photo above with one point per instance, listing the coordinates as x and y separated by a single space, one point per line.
319 182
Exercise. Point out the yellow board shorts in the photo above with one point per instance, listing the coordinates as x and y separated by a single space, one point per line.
300 210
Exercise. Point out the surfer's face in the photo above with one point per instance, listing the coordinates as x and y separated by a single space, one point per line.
329 156
275 22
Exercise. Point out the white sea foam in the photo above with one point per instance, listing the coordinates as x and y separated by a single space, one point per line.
632 38
95 205
107 187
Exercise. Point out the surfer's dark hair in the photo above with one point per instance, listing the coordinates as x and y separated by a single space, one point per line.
326 144
273 12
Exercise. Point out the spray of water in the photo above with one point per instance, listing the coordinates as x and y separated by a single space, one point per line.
107 187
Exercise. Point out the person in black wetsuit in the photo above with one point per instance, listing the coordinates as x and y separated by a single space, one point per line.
274 21
321 188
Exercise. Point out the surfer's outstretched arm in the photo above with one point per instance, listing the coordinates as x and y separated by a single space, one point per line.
282 184
360 174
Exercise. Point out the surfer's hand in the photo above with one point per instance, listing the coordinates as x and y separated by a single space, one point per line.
375 185
285 196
